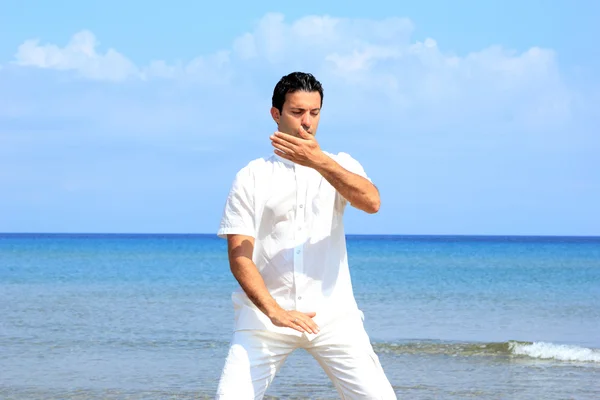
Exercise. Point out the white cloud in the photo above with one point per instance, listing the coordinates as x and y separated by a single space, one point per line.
79 55
375 61
363 63
213 68
314 38
245 47
485 130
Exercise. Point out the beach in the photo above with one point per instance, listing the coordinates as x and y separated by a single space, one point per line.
150 317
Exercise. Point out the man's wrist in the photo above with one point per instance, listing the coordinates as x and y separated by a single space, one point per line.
323 163
272 309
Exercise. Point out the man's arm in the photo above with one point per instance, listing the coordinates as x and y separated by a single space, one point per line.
361 193
305 150
240 248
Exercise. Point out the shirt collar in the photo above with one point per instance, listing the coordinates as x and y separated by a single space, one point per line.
283 160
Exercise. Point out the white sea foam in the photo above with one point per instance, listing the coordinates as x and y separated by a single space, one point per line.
544 350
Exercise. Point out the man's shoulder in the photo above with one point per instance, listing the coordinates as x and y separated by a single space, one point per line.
341 157
256 166
350 163
255 163
334 155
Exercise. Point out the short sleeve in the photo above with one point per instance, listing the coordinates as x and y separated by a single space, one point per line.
352 165
238 215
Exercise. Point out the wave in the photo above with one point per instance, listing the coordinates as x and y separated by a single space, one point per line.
511 349
559 352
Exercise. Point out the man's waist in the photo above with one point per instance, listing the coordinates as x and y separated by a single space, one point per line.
250 317
322 305
300 301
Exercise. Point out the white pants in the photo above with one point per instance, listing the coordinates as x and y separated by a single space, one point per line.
343 350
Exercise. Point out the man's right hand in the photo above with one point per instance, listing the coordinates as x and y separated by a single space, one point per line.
240 250
302 322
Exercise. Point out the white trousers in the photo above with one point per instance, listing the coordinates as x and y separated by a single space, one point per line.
343 350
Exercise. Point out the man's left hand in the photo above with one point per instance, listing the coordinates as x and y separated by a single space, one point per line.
303 150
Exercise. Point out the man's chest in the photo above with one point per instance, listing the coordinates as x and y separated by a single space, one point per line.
296 197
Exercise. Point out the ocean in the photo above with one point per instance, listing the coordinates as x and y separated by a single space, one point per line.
149 317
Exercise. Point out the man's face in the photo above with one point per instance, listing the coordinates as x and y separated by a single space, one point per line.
300 109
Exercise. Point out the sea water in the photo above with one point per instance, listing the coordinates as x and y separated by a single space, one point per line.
150 317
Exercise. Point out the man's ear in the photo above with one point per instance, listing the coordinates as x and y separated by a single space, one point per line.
275 114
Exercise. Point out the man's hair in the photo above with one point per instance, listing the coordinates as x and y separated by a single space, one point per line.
294 82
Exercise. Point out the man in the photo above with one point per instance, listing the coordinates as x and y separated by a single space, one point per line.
283 221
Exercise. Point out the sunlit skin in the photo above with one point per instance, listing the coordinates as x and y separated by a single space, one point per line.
300 110
299 120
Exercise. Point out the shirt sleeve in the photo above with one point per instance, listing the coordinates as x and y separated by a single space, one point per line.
352 165
238 215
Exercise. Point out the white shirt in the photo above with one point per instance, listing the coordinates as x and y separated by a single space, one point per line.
296 218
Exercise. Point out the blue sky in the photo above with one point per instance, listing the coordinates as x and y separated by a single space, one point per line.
471 117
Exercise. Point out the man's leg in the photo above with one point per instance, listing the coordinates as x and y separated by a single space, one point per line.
345 353
253 360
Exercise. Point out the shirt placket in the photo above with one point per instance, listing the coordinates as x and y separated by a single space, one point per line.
299 227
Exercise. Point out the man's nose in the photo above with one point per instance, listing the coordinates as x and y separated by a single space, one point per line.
306 120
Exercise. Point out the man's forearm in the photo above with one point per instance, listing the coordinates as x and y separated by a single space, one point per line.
253 284
361 193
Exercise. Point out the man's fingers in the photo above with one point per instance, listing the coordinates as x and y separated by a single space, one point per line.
314 328
301 324
298 325
306 325
302 132
283 140
305 320
287 138
282 147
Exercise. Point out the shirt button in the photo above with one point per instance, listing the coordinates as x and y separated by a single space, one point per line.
301 205
299 297
297 251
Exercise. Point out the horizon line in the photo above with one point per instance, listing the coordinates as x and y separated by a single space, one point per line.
347 234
